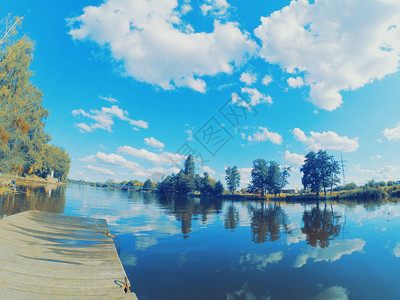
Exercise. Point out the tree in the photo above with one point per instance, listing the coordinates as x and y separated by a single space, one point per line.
53 160
218 188
277 179
232 178
189 166
320 171
259 175
148 184
207 185
23 141
268 177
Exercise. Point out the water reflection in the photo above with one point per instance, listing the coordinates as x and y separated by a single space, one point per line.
231 218
49 198
266 222
187 209
321 225
238 250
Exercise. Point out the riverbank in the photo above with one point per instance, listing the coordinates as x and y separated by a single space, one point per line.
358 195
8 182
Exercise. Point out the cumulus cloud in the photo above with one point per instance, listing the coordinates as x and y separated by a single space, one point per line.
338 45
115 160
392 134
326 140
266 80
334 292
334 252
260 262
208 170
100 170
163 158
378 156
245 176
104 119
248 78
295 82
109 99
294 158
217 8
155 45
152 142
360 175
396 250
265 135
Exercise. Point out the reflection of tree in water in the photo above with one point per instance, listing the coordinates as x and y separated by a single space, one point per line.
266 223
186 209
49 198
231 218
321 226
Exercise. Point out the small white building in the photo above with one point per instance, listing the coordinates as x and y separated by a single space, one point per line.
290 191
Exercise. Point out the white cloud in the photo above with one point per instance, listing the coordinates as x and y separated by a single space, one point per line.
360 176
248 78
294 158
396 250
392 134
100 170
208 170
245 176
378 156
109 99
334 252
295 82
333 292
260 262
217 8
104 118
256 97
266 80
326 140
265 135
155 45
163 158
339 45
153 143
116 160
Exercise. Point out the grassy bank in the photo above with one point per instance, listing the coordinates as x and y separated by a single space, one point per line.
359 195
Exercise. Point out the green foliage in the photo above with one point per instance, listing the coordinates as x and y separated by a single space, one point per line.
53 159
23 142
365 193
232 178
189 166
218 188
320 171
148 184
268 177
259 175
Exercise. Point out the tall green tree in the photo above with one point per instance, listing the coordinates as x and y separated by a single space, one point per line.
148 184
22 137
189 166
232 178
54 160
277 177
259 175
320 171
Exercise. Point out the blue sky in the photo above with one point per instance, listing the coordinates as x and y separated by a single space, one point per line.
129 83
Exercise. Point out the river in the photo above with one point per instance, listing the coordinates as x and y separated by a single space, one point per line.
213 249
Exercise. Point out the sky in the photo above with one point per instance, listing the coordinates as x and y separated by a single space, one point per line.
134 86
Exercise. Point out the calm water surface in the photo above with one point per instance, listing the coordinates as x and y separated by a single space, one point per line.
204 249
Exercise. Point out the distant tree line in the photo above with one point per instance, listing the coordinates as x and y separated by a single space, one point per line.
186 181
24 146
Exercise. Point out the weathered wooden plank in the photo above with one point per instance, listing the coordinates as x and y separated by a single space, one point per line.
52 256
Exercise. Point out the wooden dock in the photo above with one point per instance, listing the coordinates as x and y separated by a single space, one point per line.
51 256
